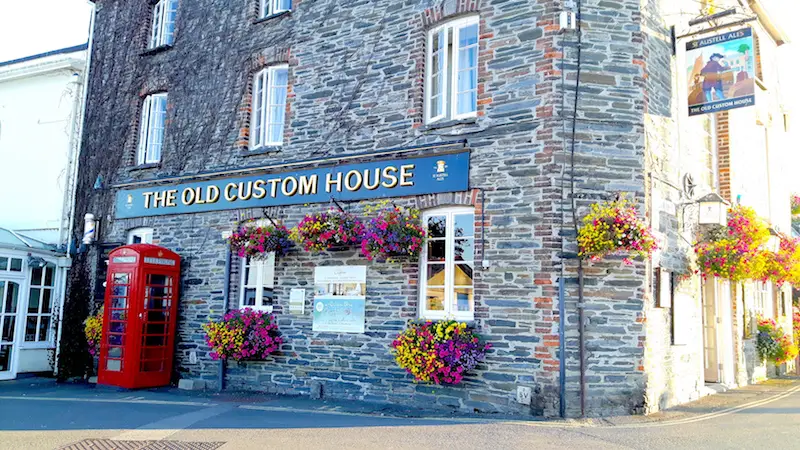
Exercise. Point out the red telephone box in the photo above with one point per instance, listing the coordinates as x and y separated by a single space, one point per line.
141 300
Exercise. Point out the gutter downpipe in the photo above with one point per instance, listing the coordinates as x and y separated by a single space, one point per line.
71 183
225 294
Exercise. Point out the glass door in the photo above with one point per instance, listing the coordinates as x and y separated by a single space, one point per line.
9 294
156 317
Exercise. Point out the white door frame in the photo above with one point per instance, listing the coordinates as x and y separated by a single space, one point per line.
21 279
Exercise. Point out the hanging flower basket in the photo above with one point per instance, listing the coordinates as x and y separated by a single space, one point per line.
773 344
395 233
614 228
243 335
328 230
439 352
257 241
93 330
783 266
795 204
735 252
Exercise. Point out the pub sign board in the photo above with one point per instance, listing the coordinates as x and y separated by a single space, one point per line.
379 179
721 72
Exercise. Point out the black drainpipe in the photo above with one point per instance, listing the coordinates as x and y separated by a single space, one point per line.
225 290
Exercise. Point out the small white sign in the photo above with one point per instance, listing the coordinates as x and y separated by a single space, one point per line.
297 301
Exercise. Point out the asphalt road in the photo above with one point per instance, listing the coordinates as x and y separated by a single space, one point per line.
49 421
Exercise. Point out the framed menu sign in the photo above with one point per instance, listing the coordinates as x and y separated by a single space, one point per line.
339 299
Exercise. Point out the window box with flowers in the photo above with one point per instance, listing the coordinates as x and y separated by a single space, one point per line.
243 335
440 352
615 228
395 233
329 230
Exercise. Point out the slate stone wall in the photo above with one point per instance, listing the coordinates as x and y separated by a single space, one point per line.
356 77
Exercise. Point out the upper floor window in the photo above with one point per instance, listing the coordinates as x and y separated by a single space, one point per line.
151 132
163 31
448 264
272 7
451 81
141 235
258 283
269 106
38 326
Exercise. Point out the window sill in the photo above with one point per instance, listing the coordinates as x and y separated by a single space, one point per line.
155 50
144 167
449 123
28 345
271 16
261 151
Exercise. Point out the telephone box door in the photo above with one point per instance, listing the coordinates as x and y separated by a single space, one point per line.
119 326
157 328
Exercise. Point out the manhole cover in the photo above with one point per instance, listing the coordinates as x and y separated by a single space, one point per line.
108 444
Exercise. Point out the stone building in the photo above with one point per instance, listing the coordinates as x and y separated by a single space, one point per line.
219 93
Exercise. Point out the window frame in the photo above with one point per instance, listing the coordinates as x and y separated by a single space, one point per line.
162 11
449 94
143 232
147 130
450 263
262 106
49 340
269 8
259 286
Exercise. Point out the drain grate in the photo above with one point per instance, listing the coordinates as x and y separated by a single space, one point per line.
108 444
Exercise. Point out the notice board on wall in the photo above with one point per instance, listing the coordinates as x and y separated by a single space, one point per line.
340 299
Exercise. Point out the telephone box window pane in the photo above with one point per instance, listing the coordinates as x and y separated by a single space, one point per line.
155 328
16 265
157 291
115 352
30 329
119 315
121 278
159 280
154 340
157 316
121 291
117 327
151 353
157 303
114 365
115 339
120 303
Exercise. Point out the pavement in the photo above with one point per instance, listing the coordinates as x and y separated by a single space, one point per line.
38 413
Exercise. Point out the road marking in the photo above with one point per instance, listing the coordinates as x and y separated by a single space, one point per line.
162 429
569 423
108 400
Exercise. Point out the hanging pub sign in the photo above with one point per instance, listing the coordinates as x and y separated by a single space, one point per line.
721 72
395 178
339 299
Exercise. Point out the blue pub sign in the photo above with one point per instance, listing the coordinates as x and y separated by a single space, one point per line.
378 179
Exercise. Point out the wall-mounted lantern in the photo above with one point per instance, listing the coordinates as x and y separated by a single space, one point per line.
713 210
